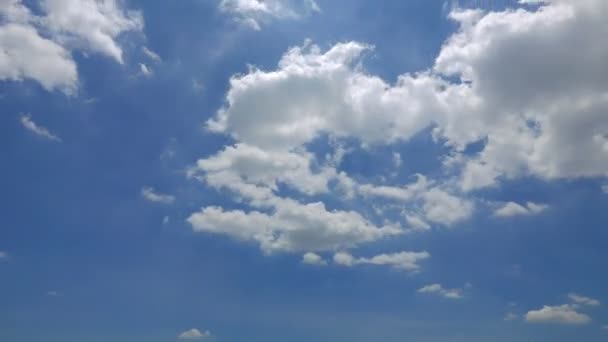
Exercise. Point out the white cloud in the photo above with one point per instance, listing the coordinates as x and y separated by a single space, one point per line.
152 195
151 54
562 314
253 13
3 255
27 55
52 293
194 334
292 227
88 25
535 115
91 25
513 209
145 70
30 125
605 188
244 163
406 261
439 290
511 317
313 259
442 207
604 327
416 222
578 299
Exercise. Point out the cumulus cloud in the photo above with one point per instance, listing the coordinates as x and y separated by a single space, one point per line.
313 259
193 334
87 25
406 261
513 209
152 195
292 227
30 125
27 55
439 290
253 13
489 85
562 314
523 120
90 24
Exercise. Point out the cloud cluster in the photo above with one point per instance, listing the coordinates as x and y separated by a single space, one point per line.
38 47
491 84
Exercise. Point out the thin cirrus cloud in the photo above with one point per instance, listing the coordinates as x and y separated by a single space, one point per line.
29 124
86 25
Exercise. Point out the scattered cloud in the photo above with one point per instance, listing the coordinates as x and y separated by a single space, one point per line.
439 290
52 293
30 125
313 259
3 255
510 316
513 209
578 299
145 70
561 314
194 334
152 195
151 54
253 13
406 261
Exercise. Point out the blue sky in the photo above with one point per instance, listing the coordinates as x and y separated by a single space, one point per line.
300 170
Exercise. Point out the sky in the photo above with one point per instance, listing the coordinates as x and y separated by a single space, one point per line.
303 170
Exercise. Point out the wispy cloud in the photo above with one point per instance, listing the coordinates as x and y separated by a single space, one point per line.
30 125
152 195
151 54
440 290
